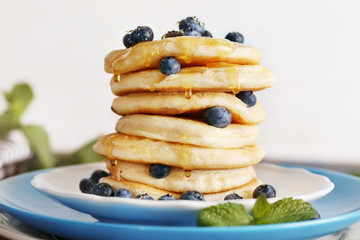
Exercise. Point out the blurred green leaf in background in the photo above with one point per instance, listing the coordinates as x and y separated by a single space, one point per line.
18 99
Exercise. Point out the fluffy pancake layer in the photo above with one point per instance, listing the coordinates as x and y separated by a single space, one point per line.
143 150
204 181
215 77
245 191
189 51
187 131
162 103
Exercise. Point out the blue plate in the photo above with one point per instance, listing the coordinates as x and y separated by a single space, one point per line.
339 209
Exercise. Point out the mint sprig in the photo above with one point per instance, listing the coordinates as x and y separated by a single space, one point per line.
223 215
282 211
233 214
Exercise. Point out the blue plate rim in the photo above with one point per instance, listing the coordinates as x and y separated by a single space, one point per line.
352 216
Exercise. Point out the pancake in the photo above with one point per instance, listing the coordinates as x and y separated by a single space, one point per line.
204 181
187 131
160 103
245 191
118 146
215 77
189 51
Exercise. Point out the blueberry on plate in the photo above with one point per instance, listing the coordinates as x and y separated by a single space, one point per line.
123 193
102 189
144 196
247 97
86 185
217 116
169 65
167 197
190 24
141 34
127 41
159 170
232 196
265 189
96 175
192 195
235 37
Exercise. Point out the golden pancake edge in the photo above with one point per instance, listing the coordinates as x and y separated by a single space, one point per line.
163 103
187 131
189 51
178 180
214 77
118 146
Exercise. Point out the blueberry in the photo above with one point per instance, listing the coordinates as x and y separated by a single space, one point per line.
193 33
266 189
86 185
127 41
192 195
96 175
167 197
207 34
232 196
123 193
141 34
247 97
144 196
191 24
102 189
217 116
235 37
159 170
169 65
171 34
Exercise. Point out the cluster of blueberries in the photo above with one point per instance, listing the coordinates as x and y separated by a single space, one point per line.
191 26
92 186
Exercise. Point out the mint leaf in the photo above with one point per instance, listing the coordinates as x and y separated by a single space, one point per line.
261 207
287 210
19 98
39 143
225 214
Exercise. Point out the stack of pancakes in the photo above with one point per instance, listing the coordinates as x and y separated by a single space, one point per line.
162 122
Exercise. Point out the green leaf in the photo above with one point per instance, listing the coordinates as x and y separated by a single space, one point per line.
39 143
86 154
8 122
19 98
225 214
288 210
261 207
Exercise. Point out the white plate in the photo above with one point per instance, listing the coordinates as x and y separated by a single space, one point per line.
62 184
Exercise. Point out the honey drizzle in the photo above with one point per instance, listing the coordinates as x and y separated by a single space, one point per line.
232 75
187 49
151 88
109 149
117 78
188 93
187 173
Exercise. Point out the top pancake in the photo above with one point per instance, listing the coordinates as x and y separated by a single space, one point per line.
189 51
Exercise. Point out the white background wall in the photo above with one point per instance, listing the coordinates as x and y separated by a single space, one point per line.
311 46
